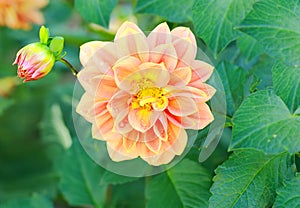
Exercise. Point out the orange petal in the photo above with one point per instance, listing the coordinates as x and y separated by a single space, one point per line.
159 35
130 140
151 141
118 102
180 76
201 71
132 41
88 49
164 54
160 159
185 44
182 106
118 153
177 139
142 119
85 107
160 128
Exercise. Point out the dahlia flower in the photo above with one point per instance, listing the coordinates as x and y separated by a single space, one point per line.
19 14
143 92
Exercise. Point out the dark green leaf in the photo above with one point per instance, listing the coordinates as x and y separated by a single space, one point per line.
249 178
36 201
96 11
289 195
264 122
185 185
249 47
174 11
276 25
286 81
4 104
234 82
215 20
80 178
115 179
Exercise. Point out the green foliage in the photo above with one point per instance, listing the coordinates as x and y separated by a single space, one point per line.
172 10
36 201
96 11
275 25
264 122
215 20
187 184
249 178
288 195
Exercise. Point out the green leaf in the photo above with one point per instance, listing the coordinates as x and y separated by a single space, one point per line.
286 81
36 201
80 178
249 178
57 45
96 11
289 195
115 179
249 47
233 79
44 34
275 24
174 11
264 122
262 73
214 21
185 185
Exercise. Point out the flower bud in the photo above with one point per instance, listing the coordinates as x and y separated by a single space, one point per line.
34 61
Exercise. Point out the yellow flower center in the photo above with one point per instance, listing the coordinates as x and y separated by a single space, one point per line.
150 98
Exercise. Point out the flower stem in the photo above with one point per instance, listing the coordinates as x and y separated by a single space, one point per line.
69 65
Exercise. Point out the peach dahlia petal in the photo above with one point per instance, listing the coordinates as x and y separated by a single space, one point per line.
142 93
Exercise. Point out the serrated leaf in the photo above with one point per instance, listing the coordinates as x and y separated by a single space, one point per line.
276 25
80 178
36 201
174 11
96 11
234 81
214 21
264 122
286 80
289 195
249 178
186 185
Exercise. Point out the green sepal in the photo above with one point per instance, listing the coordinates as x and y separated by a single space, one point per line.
44 34
57 45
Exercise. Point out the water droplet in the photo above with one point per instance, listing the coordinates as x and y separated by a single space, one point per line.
122 124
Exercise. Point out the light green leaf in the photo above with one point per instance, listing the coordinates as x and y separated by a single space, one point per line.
96 11
185 185
57 45
234 81
286 81
275 24
174 11
249 178
214 21
264 122
53 128
80 178
36 201
44 34
289 195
